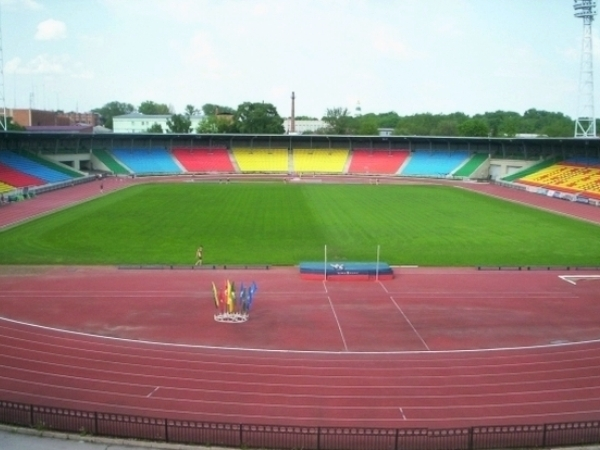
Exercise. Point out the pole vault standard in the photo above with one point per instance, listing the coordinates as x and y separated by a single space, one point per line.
377 265
325 265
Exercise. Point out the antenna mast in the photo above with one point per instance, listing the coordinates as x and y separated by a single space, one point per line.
585 124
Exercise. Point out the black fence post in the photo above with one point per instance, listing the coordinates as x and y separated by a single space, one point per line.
166 430
396 439
544 435
241 435
95 423
31 416
319 438
471 438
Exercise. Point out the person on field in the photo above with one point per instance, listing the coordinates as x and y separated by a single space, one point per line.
199 256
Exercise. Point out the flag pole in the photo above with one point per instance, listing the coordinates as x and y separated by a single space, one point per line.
377 265
325 264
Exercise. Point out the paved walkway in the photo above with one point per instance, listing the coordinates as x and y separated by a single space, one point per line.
12 438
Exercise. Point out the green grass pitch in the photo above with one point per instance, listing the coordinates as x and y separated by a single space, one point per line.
284 224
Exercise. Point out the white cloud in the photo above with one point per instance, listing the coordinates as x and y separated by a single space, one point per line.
28 4
41 64
200 56
385 43
48 65
32 4
51 29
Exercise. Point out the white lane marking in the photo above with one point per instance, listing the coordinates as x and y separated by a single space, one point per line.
338 323
151 393
402 412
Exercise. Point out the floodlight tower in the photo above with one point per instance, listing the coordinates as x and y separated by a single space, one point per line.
585 124
3 121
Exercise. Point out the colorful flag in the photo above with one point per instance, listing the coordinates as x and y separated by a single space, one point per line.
251 291
230 297
216 295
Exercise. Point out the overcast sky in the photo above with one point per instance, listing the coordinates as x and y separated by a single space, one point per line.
407 56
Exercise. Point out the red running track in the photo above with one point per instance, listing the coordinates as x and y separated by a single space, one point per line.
432 348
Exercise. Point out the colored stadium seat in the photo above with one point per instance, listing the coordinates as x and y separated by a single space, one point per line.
147 160
321 160
34 169
18 179
566 177
262 159
204 159
434 163
377 161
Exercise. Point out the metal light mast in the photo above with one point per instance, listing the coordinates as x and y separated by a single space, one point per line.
3 121
585 125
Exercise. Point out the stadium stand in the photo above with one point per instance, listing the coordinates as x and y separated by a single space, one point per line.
370 161
110 162
583 161
530 170
147 160
5 187
32 167
322 160
434 163
262 159
204 159
12 177
52 165
467 169
567 178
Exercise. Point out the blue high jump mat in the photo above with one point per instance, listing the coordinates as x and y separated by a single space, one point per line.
346 271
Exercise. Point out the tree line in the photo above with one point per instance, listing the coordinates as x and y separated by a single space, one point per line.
260 117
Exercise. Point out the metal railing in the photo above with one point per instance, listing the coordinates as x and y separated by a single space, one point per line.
294 437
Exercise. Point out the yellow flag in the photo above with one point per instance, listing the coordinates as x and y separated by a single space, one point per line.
216 295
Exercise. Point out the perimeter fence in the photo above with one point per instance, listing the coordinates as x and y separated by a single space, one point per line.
282 437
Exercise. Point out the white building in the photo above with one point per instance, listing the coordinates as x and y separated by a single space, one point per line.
136 122
303 126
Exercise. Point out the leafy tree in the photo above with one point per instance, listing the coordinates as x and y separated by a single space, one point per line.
474 127
215 124
155 128
210 109
190 110
388 120
416 125
150 107
368 126
258 118
179 123
446 127
112 109
339 121
11 125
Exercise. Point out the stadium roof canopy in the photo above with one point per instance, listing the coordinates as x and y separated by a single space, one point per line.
521 146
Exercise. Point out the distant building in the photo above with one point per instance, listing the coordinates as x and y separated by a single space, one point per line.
37 118
61 129
303 125
86 118
385 131
41 118
136 122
